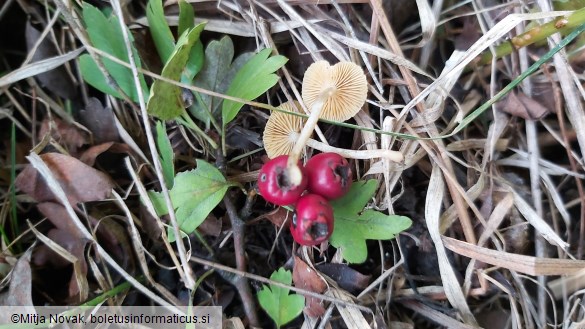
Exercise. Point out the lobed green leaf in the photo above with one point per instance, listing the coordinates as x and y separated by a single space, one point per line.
277 302
353 225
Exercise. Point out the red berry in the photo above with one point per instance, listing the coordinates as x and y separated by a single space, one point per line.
312 222
274 184
329 175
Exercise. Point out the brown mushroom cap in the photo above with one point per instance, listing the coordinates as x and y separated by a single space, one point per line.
277 133
342 88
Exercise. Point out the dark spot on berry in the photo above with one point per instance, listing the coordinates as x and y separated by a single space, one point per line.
318 230
294 220
283 181
263 177
342 171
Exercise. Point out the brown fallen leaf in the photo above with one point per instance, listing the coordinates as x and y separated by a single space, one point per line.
90 155
80 182
66 235
307 278
56 80
45 256
346 277
100 121
520 105
278 216
64 133
19 291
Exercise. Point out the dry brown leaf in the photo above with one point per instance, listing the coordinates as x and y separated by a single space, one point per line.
56 80
80 182
100 121
90 155
211 226
346 277
278 216
305 277
66 235
19 291
520 105
64 133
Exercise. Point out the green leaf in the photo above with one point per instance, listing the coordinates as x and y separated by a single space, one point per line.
166 154
251 81
276 301
218 57
160 30
165 100
195 194
186 16
197 55
106 35
353 227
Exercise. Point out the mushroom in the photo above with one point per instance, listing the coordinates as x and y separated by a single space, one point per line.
332 92
283 130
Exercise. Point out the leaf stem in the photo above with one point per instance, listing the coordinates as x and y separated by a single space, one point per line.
186 120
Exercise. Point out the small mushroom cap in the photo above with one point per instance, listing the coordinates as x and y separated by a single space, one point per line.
342 88
277 133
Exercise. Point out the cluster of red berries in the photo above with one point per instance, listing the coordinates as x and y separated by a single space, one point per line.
326 176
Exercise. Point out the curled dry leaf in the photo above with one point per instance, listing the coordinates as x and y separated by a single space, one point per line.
520 105
80 182
307 278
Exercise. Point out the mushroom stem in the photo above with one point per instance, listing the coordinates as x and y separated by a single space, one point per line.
294 171
353 154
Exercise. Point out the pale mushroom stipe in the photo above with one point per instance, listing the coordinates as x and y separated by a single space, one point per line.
332 92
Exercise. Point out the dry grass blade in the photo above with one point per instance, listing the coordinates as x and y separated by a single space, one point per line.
432 210
436 316
30 70
352 318
537 222
564 286
491 37
520 263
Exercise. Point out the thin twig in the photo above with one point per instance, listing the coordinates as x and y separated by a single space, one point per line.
238 235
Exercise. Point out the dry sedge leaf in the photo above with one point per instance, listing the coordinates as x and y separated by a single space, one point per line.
520 105
307 278
80 182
